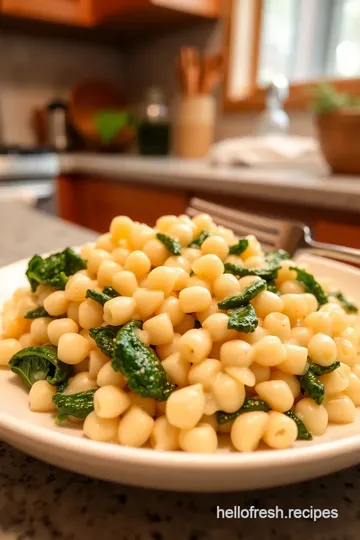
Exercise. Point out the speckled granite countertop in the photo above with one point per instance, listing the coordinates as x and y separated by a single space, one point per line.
41 502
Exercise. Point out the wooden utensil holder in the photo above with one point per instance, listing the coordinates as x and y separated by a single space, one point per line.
194 126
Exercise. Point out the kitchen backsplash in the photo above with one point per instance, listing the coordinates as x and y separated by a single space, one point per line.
37 69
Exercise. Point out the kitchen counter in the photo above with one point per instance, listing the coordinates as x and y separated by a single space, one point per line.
311 187
41 502
17 166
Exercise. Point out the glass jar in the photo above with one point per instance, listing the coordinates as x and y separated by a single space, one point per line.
154 128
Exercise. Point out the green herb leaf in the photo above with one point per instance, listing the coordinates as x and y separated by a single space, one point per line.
241 299
36 313
271 287
274 257
104 337
267 272
107 294
311 384
243 319
318 370
54 270
111 292
250 405
78 405
326 99
239 247
348 306
171 244
40 363
198 242
142 369
303 433
311 285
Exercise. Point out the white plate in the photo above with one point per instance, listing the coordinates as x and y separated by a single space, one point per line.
36 434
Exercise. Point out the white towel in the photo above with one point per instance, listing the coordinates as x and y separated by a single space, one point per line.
274 150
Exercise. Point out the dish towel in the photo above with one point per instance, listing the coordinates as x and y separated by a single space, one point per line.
274 150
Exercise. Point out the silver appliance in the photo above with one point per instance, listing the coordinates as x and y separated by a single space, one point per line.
29 174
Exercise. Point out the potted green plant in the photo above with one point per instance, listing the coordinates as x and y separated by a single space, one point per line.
338 125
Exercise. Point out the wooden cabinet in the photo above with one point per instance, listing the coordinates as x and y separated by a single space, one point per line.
122 12
136 10
93 202
73 12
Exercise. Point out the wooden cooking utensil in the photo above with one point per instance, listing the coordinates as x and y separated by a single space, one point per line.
212 72
190 67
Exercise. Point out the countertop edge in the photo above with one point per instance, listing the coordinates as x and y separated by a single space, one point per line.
278 185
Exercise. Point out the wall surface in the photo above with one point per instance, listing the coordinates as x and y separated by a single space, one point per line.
34 70
153 63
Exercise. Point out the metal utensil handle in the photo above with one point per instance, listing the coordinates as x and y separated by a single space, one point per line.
333 251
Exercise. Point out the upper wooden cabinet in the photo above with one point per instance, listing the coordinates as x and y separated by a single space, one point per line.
73 12
94 12
137 9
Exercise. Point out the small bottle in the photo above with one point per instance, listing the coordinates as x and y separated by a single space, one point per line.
274 120
57 125
154 128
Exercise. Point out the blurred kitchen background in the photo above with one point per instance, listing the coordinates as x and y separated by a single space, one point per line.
134 106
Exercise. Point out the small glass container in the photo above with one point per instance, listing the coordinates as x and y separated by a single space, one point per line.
154 128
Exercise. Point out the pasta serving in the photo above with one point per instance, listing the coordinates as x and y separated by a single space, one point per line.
183 337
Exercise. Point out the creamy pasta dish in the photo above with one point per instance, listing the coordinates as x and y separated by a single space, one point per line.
183 337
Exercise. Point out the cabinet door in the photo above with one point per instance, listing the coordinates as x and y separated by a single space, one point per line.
93 202
74 12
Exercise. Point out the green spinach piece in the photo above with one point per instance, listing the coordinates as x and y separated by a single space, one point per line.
36 313
170 243
250 405
349 307
243 319
54 270
318 370
111 292
303 433
267 272
311 384
142 369
198 242
274 257
271 287
311 284
239 247
40 363
241 299
107 294
79 405
104 337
